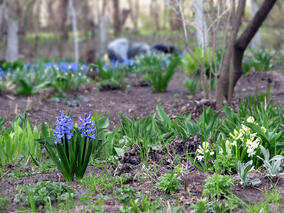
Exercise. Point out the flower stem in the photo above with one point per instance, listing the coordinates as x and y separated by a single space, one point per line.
84 150
66 146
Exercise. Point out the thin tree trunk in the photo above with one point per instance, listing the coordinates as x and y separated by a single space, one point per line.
116 17
243 41
2 9
223 81
154 11
282 5
63 27
256 42
74 28
201 24
12 51
134 10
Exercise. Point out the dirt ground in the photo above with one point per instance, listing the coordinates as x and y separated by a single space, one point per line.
137 101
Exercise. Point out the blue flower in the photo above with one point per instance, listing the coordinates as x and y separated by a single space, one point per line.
166 62
2 74
127 62
246 59
43 150
27 66
64 66
64 126
87 127
115 64
84 67
74 66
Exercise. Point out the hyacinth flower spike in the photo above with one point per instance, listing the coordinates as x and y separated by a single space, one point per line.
63 131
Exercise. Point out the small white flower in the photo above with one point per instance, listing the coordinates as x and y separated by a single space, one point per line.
245 128
250 119
228 147
263 129
234 143
200 157
251 152
211 153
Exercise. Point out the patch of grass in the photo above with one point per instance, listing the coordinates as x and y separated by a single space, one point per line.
102 182
271 203
3 203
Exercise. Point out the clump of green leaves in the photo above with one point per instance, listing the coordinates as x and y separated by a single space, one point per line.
3 203
43 193
257 60
159 69
224 164
191 85
217 195
244 170
141 204
218 186
273 166
169 183
111 76
160 78
18 141
192 66
125 193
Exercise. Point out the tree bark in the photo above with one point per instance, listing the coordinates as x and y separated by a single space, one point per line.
154 11
2 9
63 27
256 42
243 41
201 24
223 81
11 17
116 17
74 28
12 51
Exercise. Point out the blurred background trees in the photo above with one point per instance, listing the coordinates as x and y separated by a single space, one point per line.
44 27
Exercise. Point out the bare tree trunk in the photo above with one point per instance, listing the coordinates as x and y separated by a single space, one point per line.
63 27
12 51
201 24
11 17
74 28
243 41
137 12
2 9
36 26
256 42
282 5
155 12
223 81
116 17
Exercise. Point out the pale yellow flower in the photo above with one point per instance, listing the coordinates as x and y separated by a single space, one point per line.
250 119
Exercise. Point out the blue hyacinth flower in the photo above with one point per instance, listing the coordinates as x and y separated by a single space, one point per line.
87 127
64 126
64 66
84 67
74 66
